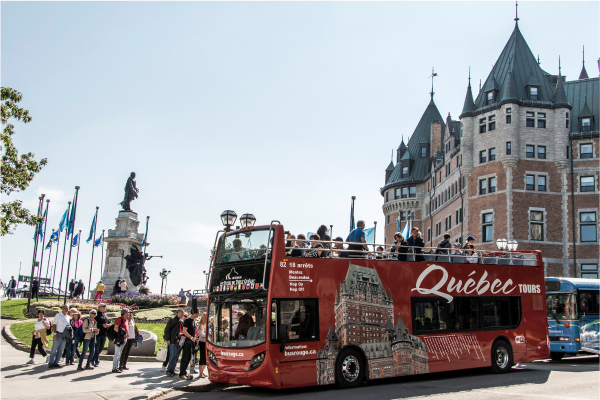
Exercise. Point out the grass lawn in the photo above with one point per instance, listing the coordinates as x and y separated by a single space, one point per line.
23 330
13 308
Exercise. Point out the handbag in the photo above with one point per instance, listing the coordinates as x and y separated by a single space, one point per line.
161 355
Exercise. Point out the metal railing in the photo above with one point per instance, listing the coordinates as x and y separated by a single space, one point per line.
428 254
584 135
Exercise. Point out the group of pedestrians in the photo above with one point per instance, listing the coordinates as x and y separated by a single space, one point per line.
187 339
76 289
69 330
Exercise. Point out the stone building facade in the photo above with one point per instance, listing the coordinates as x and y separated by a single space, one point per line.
504 168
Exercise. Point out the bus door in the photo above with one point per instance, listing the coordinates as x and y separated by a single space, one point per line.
295 328
536 324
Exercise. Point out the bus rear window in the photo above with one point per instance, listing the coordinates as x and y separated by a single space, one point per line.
553 286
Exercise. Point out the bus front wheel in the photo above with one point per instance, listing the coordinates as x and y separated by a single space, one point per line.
502 357
557 356
350 369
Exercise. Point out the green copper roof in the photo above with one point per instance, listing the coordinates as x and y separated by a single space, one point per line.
390 167
560 96
579 94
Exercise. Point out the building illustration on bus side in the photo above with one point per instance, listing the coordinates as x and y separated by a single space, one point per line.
364 317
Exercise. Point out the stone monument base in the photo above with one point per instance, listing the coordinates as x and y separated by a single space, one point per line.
147 348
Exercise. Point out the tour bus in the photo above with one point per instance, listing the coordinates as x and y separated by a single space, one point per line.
573 320
281 322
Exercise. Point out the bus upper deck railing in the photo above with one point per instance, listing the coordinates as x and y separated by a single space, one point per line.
425 254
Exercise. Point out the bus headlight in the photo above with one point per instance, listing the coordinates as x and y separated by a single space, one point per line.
564 339
212 358
257 360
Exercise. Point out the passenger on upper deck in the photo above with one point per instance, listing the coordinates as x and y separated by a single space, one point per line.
322 232
237 253
470 239
290 243
339 245
399 247
298 251
444 244
357 236
314 250
472 257
456 252
417 244
380 254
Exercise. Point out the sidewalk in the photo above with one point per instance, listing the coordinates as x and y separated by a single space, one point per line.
143 380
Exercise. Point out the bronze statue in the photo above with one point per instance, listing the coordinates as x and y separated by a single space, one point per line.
131 192
135 265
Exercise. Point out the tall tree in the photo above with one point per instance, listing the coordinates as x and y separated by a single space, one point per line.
17 171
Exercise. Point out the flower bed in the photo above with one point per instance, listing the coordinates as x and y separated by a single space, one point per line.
51 308
144 300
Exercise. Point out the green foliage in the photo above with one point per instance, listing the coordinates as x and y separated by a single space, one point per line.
158 330
13 308
17 171
56 305
155 314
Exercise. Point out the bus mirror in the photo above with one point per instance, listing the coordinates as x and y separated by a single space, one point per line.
583 305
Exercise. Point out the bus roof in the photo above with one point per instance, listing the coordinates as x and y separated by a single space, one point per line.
576 283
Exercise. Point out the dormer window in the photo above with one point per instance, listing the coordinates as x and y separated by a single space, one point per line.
533 93
586 124
489 97
404 172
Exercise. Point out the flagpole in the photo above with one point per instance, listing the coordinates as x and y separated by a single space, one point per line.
93 247
37 230
49 255
64 251
77 258
352 214
146 234
43 239
102 259
56 261
71 247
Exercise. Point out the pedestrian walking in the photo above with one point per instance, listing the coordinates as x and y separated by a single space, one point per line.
12 287
60 326
35 289
188 331
73 344
71 288
121 331
90 331
202 346
38 339
99 290
117 287
171 336
132 334
102 323
79 288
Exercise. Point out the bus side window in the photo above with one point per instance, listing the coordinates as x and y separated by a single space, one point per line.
429 315
301 318
464 314
496 313
591 300
274 321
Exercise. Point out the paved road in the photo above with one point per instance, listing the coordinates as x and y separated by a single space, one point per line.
572 378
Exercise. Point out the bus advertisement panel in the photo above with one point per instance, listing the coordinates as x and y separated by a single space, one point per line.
318 321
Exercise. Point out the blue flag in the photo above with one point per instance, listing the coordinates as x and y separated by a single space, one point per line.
49 244
406 231
92 228
398 225
75 240
71 219
63 220
98 241
54 236
143 242
41 229
370 235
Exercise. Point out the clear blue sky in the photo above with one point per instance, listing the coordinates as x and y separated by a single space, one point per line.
284 110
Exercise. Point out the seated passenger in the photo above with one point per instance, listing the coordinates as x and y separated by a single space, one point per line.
470 239
456 252
399 248
339 245
237 253
417 244
443 245
472 257
314 251
298 244
289 243
322 232
379 255
357 240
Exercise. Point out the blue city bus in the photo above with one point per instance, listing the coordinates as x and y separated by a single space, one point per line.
573 320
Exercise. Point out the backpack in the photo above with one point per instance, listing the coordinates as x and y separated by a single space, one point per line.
111 334
79 333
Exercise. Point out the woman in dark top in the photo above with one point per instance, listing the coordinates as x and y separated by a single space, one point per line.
322 232
399 247
416 243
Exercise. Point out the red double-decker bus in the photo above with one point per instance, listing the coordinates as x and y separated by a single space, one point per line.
280 322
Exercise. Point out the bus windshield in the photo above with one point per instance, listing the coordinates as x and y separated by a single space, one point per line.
561 306
242 246
237 323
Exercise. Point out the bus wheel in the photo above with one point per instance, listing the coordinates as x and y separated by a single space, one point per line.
557 356
502 359
350 369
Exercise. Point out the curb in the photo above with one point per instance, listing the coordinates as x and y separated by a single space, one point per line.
207 387
157 393
14 342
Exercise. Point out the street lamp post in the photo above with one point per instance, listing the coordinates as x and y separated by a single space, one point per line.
163 274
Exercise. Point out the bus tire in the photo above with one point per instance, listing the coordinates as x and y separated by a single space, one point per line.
350 369
502 357
556 356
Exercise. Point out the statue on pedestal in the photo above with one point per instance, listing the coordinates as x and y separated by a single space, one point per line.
131 192
135 265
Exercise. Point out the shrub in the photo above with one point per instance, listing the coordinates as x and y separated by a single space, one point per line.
156 314
144 300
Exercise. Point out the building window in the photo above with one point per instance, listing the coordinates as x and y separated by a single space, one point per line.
482 186
536 225
413 191
529 182
482 128
541 115
448 169
403 216
428 234
589 271
423 151
586 124
568 155
492 154
541 152
529 114
488 227
404 193
508 148
492 185
459 215
404 172
509 119
530 151
490 97
387 196
533 93
482 157
588 227
530 123
541 123
586 151
457 158
396 194
586 184
492 124
388 219
541 182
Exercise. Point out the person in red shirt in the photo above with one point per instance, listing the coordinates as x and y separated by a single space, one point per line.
120 323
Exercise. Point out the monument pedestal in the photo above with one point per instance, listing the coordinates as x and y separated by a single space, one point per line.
118 245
